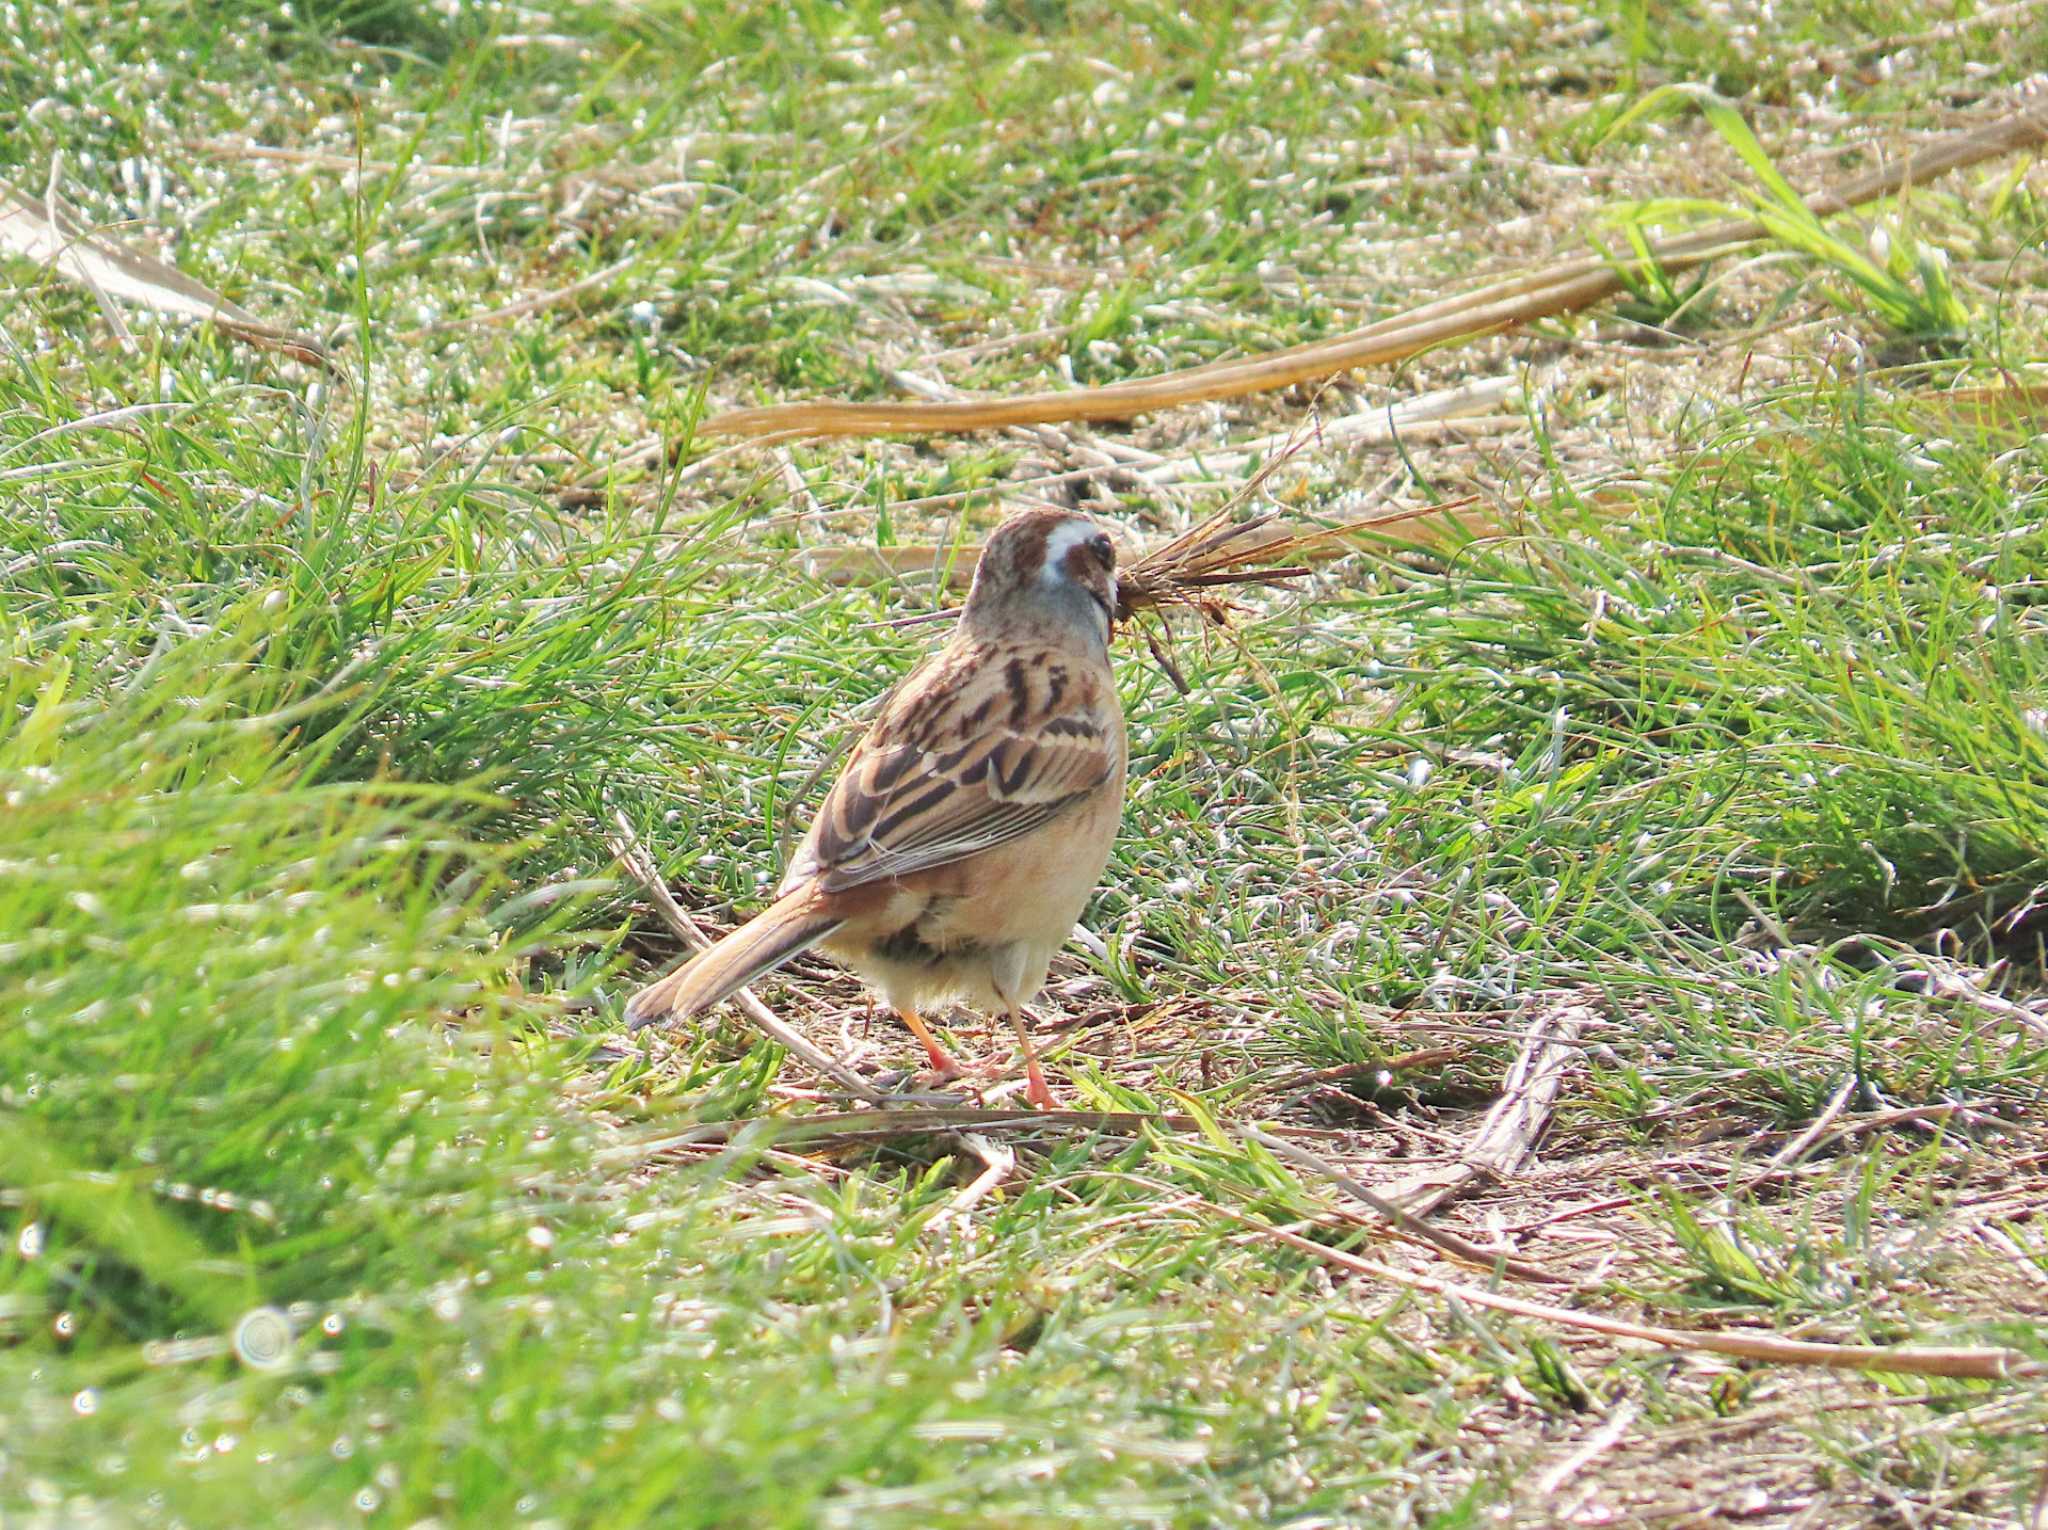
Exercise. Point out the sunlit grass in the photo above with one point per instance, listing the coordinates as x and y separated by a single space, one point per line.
319 1181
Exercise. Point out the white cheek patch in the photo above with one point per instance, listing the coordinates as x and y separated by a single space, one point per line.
1064 539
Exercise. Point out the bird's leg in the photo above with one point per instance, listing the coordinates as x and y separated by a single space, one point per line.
1034 1080
941 1060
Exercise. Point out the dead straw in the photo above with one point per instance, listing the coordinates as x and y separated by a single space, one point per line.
633 857
1975 1364
1564 287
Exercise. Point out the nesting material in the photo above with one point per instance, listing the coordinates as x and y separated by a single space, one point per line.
1209 557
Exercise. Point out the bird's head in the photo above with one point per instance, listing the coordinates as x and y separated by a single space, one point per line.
1045 567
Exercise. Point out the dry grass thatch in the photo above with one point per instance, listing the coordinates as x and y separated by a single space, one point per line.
1563 287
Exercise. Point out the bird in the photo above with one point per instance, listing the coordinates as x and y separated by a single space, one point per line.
956 850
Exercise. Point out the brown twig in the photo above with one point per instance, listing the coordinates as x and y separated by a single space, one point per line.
1439 1238
632 855
1969 1364
1565 287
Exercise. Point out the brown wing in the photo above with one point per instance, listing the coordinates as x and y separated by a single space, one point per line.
977 748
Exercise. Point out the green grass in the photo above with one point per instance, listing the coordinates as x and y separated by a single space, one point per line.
318 695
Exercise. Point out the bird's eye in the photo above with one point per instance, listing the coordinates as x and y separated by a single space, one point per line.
1105 554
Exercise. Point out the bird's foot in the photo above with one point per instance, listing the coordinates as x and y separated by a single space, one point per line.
1001 1071
1034 1087
944 1071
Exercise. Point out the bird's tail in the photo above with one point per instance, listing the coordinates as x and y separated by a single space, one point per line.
787 926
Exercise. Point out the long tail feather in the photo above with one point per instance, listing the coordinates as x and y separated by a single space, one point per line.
779 932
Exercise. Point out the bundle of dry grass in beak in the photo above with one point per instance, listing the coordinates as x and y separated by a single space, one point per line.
1191 572
1209 556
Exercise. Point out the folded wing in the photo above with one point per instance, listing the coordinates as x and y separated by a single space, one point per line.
990 747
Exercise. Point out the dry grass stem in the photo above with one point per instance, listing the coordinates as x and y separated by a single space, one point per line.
1565 287
1978 1364
1441 1239
633 857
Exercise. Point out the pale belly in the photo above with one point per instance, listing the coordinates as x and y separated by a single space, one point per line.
985 930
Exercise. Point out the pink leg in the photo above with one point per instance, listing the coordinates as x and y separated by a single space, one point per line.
1034 1079
941 1060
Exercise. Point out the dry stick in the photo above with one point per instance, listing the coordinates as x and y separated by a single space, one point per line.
1968 1364
1795 1150
626 847
1047 438
998 1163
1507 1135
1519 300
1604 1439
1439 1238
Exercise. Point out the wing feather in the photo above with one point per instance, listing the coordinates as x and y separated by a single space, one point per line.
969 753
